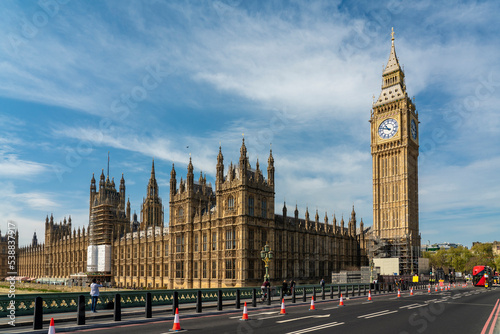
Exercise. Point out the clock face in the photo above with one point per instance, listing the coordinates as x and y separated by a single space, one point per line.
388 128
413 129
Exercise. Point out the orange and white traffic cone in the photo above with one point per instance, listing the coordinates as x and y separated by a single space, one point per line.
52 329
369 295
283 307
411 291
429 289
312 308
399 293
341 303
177 324
245 312
436 288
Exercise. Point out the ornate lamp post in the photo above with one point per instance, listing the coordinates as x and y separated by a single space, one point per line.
266 254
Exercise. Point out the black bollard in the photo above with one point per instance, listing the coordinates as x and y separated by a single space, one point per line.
347 291
38 314
117 316
339 289
269 296
219 300
282 294
331 291
80 316
254 298
323 293
175 302
237 298
304 297
359 290
364 290
149 306
314 293
293 295
198 301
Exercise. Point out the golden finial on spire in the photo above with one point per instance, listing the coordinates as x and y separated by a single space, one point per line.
392 33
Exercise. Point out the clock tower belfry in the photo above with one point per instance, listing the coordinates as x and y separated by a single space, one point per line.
394 147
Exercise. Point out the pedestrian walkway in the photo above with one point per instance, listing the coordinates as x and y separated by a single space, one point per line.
66 322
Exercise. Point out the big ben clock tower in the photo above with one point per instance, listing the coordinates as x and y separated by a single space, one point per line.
394 146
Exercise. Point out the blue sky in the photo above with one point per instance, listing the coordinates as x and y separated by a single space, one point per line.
163 80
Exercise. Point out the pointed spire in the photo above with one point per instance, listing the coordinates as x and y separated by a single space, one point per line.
270 168
153 169
392 63
172 172
243 149
220 157
190 166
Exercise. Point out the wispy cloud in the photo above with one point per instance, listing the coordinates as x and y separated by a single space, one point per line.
13 167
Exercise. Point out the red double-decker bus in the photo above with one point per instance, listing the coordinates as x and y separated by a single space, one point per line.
481 275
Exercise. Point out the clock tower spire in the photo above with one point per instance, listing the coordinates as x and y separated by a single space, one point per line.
394 147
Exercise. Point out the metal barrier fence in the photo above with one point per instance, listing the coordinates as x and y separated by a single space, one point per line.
68 302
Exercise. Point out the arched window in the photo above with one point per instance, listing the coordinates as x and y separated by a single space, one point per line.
230 203
250 206
180 215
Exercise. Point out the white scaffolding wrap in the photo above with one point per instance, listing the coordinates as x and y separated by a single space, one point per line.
92 259
104 258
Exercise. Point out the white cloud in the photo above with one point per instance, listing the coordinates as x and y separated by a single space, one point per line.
13 167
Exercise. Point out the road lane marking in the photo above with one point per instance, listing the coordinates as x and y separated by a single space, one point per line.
255 314
275 316
417 306
372 314
378 314
309 316
316 328
408 306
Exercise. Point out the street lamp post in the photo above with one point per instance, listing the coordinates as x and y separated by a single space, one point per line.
266 254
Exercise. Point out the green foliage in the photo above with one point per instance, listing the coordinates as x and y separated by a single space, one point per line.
462 259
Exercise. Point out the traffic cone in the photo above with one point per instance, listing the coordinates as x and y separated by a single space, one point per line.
312 308
429 289
177 325
52 329
399 293
411 291
341 303
436 288
245 312
369 295
283 307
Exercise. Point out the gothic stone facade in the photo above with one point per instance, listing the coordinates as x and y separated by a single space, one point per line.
214 237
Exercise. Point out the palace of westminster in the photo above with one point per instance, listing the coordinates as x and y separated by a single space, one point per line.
215 234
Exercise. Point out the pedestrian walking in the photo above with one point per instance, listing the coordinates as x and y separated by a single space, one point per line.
285 288
94 293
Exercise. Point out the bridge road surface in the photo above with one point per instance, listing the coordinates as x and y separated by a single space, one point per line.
461 310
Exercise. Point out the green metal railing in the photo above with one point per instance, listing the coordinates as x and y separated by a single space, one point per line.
67 302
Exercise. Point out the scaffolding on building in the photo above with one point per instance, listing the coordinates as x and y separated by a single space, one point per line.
405 248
